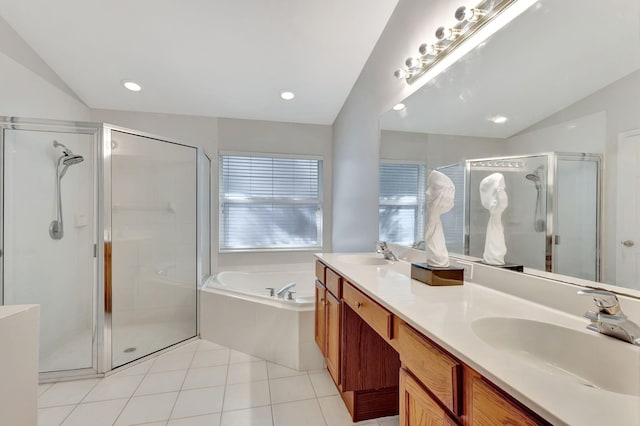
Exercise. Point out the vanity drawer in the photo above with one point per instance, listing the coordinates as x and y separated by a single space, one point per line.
320 271
438 372
490 407
375 315
333 282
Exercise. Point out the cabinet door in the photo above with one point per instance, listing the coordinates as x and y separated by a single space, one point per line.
332 355
489 407
320 318
417 408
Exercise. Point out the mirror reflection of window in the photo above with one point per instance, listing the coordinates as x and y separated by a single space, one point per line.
402 202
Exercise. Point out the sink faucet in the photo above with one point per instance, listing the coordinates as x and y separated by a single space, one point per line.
283 290
381 247
609 319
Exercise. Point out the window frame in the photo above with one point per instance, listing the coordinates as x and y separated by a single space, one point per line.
275 201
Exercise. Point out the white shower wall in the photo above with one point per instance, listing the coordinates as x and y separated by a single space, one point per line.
58 274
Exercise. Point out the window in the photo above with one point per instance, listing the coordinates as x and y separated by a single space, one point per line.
270 203
402 202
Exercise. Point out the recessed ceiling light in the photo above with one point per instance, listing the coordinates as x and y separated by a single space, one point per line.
287 96
398 107
131 85
498 119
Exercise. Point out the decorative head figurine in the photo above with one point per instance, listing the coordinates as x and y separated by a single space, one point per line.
494 198
440 194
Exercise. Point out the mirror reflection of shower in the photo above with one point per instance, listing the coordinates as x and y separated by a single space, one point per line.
538 221
67 159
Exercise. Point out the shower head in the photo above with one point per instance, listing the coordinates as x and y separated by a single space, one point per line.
71 160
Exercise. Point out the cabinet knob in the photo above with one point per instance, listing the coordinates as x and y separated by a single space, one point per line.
628 243
358 304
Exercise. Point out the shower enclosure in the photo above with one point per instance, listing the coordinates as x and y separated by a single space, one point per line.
552 222
108 230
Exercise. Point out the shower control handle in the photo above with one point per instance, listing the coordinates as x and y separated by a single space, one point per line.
628 243
271 290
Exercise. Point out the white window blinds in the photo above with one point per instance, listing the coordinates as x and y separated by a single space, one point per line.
402 202
270 203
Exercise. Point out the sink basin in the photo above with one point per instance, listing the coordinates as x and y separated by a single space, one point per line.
363 259
590 359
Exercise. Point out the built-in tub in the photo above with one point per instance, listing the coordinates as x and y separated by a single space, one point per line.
237 311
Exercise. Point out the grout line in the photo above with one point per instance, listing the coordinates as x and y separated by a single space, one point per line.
186 374
136 389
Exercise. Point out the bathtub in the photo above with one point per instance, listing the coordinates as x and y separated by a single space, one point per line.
237 311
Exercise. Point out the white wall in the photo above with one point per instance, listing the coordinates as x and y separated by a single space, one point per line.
29 87
356 136
277 138
224 134
592 125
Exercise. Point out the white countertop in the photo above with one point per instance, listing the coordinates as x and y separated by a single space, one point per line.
446 314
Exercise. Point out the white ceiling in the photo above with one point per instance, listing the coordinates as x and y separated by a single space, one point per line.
553 55
206 57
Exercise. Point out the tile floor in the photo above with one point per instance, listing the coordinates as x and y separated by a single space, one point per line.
201 383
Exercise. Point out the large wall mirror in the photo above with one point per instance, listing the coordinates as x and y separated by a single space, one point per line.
552 102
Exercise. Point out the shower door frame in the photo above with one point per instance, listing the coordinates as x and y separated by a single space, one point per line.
102 222
76 127
552 200
104 248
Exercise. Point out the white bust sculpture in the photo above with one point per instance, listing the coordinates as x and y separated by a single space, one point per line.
440 194
494 198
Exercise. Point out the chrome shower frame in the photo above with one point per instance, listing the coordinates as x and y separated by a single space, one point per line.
102 284
551 239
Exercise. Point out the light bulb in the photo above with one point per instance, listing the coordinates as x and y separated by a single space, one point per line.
400 73
132 85
451 34
287 96
398 107
469 14
427 49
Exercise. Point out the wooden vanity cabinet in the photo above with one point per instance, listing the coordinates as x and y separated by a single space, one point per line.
417 406
328 318
383 366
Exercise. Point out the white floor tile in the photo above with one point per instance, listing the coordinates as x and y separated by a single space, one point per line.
114 387
298 413
247 372
172 361
277 371
168 381
211 358
246 395
323 384
238 357
207 420
53 416
189 347
148 408
389 421
205 377
205 345
43 388
289 389
96 413
135 370
259 416
66 393
195 402
336 413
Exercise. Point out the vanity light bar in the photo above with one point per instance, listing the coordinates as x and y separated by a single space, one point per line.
448 38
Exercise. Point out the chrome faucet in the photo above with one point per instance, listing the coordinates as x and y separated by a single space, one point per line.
381 247
283 290
609 319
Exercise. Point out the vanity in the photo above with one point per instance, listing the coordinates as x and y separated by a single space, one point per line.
466 355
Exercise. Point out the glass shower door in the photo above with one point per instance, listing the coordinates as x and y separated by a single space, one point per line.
154 245
55 268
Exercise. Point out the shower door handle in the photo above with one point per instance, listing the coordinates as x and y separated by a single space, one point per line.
628 243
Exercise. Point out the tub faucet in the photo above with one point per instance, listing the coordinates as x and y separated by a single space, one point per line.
609 319
381 247
283 290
